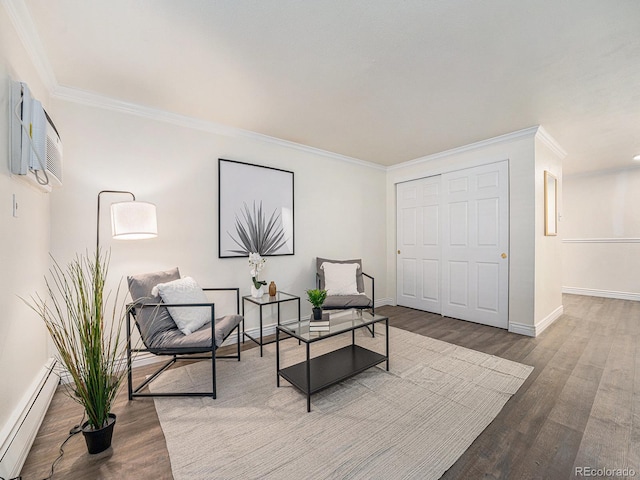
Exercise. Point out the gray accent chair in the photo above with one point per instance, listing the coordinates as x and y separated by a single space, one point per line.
343 302
161 336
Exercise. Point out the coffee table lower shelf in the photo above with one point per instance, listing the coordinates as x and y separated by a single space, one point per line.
330 368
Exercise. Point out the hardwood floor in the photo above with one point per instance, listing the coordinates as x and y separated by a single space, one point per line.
579 408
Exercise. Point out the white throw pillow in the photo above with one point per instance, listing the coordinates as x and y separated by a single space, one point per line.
185 290
340 278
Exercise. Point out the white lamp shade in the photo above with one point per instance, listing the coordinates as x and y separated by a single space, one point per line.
133 220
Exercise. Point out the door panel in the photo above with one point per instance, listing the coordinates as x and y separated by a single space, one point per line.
488 233
487 223
458 285
431 280
409 284
458 224
418 242
488 286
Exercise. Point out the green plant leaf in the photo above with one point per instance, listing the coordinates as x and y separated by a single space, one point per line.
256 234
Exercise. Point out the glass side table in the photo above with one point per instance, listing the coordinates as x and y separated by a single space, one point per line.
277 299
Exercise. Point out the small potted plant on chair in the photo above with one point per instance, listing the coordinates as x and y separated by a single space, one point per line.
317 297
87 338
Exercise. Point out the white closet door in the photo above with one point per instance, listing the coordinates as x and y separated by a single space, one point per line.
418 241
453 244
475 240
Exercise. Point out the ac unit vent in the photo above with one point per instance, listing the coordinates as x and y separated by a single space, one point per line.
53 153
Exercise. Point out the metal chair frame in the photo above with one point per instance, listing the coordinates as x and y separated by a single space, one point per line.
177 353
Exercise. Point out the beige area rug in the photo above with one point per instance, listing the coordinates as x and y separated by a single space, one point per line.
411 422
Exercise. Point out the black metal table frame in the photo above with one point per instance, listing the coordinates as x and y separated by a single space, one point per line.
251 299
325 360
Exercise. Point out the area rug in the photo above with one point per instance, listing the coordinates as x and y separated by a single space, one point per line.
413 421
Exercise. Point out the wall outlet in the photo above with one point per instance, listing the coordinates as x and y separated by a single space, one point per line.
15 206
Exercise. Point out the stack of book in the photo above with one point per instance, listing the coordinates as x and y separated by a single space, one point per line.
319 325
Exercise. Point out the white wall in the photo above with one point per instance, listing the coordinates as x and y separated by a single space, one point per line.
24 247
339 206
548 252
519 149
601 231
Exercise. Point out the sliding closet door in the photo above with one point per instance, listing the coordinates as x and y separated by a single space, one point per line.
475 241
418 241
453 244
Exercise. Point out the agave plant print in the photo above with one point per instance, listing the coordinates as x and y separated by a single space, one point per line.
255 210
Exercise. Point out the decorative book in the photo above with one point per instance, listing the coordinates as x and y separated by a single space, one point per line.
319 328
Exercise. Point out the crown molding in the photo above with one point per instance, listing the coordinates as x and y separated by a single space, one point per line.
550 142
507 137
108 103
21 20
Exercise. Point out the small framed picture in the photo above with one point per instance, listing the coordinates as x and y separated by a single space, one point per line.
550 204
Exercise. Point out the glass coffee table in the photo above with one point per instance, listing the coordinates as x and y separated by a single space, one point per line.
317 373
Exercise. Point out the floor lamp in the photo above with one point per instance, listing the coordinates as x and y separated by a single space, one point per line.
130 220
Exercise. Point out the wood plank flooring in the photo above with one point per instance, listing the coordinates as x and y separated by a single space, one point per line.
580 407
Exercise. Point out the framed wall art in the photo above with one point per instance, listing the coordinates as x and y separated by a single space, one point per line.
255 210
550 204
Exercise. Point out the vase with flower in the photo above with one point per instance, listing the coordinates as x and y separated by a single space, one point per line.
256 262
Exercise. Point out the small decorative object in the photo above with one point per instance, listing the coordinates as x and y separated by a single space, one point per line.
317 297
87 338
257 264
272 289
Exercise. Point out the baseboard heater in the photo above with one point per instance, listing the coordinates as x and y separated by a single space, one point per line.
21 429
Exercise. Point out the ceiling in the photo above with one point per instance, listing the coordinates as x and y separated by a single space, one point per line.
385 81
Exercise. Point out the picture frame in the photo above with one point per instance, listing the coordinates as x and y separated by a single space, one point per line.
550 204
255 210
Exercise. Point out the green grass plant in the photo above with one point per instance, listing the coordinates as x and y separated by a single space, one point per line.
87 337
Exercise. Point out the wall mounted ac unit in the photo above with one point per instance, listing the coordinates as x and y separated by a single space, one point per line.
36 148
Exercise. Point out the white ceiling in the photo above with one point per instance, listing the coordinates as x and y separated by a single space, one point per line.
384 81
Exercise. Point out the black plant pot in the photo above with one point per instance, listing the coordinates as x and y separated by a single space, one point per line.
99 440
317 313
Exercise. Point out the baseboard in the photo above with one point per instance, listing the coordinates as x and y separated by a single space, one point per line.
522 329
602 293
22 427
381 302
538 328
549 319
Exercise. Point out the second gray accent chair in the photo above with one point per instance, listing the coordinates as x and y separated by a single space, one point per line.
361 300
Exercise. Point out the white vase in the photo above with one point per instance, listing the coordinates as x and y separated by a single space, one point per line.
257 292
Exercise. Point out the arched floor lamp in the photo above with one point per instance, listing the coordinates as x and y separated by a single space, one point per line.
131 220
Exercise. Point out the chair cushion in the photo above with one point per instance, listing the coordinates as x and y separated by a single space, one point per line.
173 341
340 278
185 290
359 279
152 321
347 301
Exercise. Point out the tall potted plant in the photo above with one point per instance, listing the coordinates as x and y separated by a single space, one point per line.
316 297
87 338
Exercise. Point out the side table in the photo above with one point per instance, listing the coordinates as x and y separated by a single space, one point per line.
280 297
